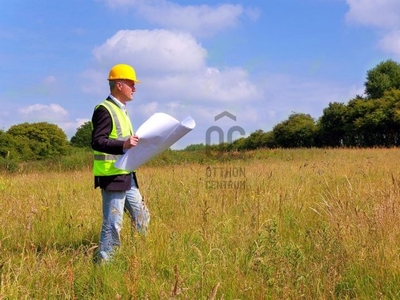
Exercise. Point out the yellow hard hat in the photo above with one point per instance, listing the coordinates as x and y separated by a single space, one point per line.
122 71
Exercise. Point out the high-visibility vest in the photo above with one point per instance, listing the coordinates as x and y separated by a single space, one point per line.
121 130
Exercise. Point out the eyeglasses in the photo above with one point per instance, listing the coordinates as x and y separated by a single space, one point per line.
132 85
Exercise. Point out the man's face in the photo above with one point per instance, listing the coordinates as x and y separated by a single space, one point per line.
126 89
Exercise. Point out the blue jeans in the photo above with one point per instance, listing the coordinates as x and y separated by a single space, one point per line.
114 204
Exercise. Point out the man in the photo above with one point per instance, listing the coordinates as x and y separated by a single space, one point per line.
112 136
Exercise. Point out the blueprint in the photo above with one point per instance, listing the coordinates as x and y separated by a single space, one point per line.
157 134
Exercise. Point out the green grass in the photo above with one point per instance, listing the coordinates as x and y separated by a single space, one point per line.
306 224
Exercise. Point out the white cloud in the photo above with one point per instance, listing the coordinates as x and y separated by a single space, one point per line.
44 112
391 42
383 15
152 50
230 85
38 108
377 13
172 67
207 86
199 20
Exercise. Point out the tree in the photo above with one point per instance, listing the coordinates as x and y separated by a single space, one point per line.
257 139
7 146
83 136
380 124
43 140
298 131
331 125
384 77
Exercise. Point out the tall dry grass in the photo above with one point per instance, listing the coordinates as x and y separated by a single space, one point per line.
291 224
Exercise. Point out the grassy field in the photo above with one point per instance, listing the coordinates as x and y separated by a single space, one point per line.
272 224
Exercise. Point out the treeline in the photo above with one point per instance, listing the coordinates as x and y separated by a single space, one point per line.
372 120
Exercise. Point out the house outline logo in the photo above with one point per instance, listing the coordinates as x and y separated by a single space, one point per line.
221 133
225 114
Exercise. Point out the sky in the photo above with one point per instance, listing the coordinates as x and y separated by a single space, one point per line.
260 61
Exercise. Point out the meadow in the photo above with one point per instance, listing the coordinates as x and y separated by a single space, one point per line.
266 224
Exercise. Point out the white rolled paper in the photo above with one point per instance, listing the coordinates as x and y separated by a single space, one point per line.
157 134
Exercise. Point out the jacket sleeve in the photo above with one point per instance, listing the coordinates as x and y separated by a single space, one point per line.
102 126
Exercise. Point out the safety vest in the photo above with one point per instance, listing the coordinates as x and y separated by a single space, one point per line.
121 129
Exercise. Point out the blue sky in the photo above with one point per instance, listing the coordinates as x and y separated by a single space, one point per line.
258 60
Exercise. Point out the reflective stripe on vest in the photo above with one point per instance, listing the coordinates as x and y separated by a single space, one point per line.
121 130
106 157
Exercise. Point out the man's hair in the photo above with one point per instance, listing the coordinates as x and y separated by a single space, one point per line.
112 84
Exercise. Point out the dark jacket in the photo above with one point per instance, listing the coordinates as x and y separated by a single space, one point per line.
102 127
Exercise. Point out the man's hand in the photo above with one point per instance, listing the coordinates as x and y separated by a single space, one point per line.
132 141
